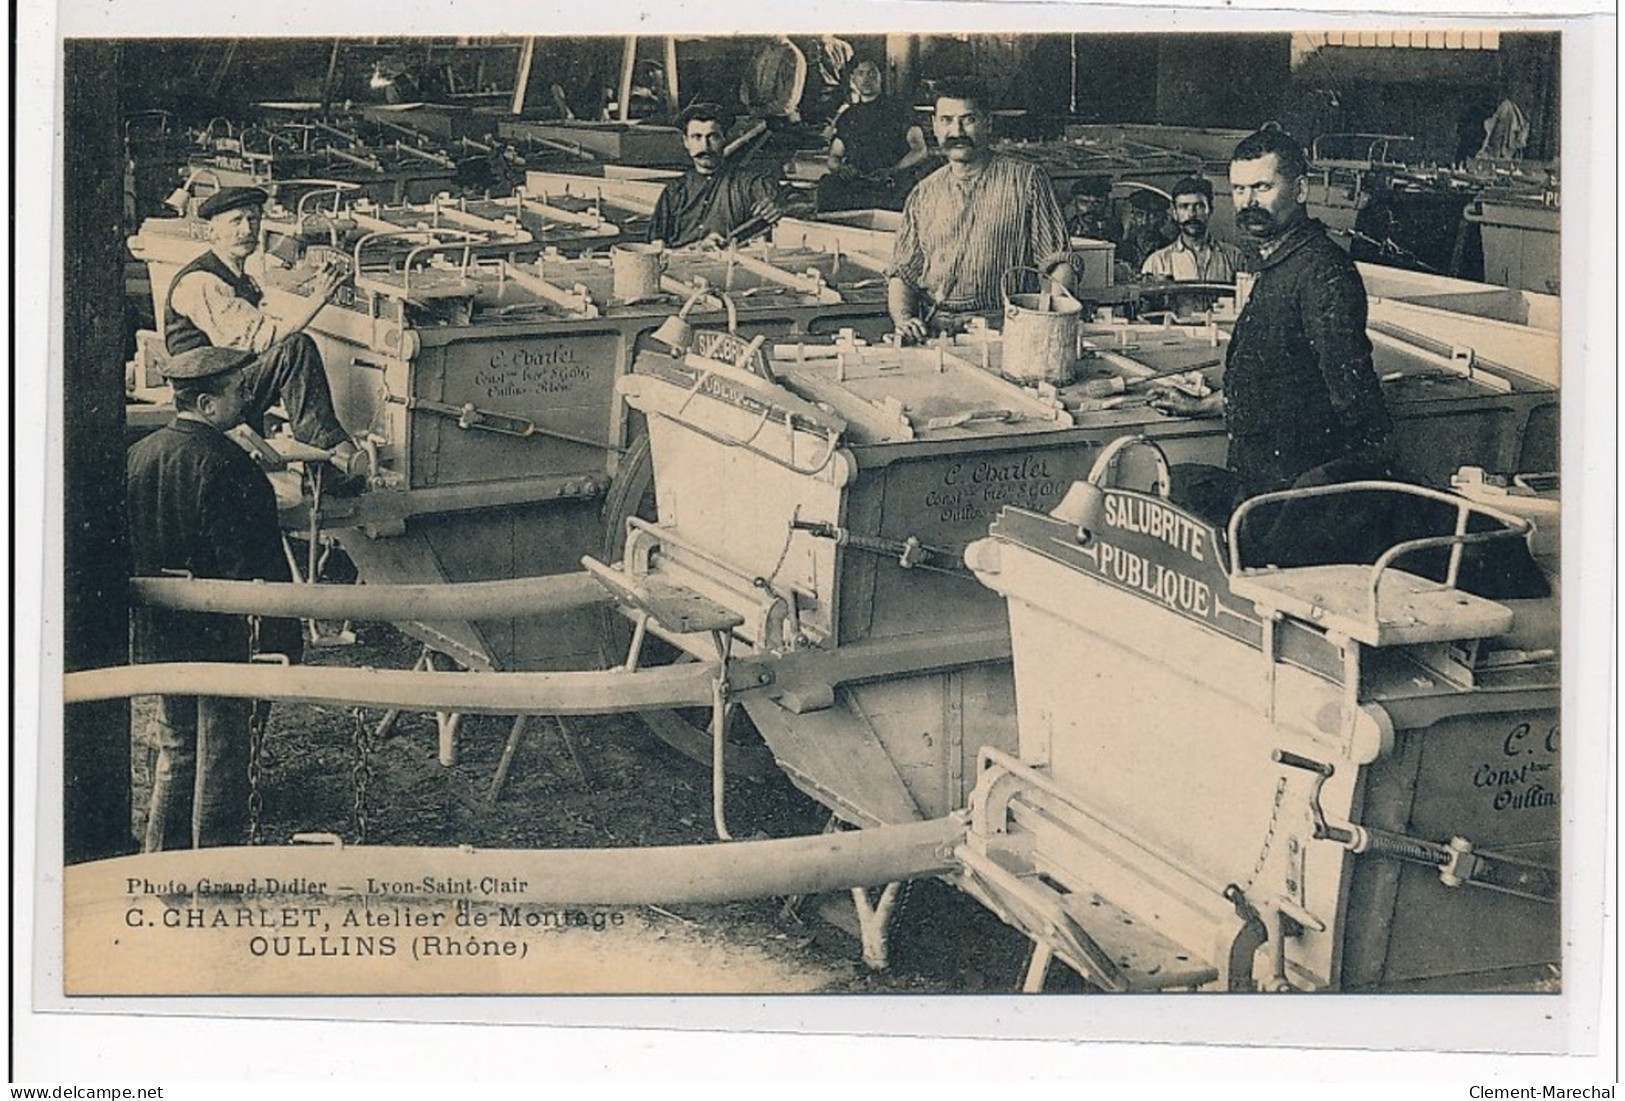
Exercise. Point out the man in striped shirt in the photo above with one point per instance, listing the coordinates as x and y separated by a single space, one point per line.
968 223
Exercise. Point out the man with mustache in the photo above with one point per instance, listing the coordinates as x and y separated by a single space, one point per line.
969 222
1194 257
1300 396
716 196
215 302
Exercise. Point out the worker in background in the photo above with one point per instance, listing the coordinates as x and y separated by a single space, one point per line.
1194 257
1506 133
1301 401
1089 210
1145 228
774 83
969 222
829 61
717 197
197 505
876 145
215 302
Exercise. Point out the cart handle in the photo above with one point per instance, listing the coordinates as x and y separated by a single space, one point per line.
831 435
207 134
440 240
1107 462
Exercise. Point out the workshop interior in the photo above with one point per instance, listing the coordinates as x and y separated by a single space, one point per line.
1022 512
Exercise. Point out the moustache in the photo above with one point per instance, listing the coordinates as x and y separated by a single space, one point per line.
1194 226
1253 218
959 143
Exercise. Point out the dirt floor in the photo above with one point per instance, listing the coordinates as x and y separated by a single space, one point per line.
607 781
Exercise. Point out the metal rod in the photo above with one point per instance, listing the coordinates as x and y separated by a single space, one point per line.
515 734
719 737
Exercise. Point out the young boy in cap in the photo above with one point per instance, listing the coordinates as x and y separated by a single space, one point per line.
214 302
197 504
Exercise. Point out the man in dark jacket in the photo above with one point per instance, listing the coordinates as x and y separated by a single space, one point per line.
198 505
719 195
1300 396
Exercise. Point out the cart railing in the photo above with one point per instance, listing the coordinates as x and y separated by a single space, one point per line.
1370 615
433 242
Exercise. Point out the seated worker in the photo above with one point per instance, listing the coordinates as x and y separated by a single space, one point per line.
1194 257
214 302
875 143
715 197
1301 400
969 222
197 504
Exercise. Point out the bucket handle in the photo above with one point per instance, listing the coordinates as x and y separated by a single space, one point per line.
1043 278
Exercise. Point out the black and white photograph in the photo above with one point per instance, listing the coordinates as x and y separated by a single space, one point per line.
883 511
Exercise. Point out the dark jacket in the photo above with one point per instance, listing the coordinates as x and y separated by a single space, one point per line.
693 206
196 502
1300 389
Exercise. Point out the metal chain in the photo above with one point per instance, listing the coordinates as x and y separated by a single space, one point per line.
1269 835
256 747
360 771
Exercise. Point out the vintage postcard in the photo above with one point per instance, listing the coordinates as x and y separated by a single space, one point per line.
900 504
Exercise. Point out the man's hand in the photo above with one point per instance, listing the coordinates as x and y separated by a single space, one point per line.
1173 403
767 209
329 278
910 330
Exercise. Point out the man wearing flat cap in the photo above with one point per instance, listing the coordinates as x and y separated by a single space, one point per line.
214 302
197 505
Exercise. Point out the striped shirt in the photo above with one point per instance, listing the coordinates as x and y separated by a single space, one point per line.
957 238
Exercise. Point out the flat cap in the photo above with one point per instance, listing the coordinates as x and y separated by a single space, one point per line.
204 363
230 198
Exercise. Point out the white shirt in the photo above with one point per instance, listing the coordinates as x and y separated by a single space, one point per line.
1209 262
228 321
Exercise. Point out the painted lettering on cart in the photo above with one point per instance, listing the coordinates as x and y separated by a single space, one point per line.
1145 516
973 490
1526 777
1178 591
523 372
1149 547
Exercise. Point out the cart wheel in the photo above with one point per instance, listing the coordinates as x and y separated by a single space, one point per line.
632 493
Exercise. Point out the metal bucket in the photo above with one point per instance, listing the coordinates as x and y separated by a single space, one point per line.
1040 333
637 271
